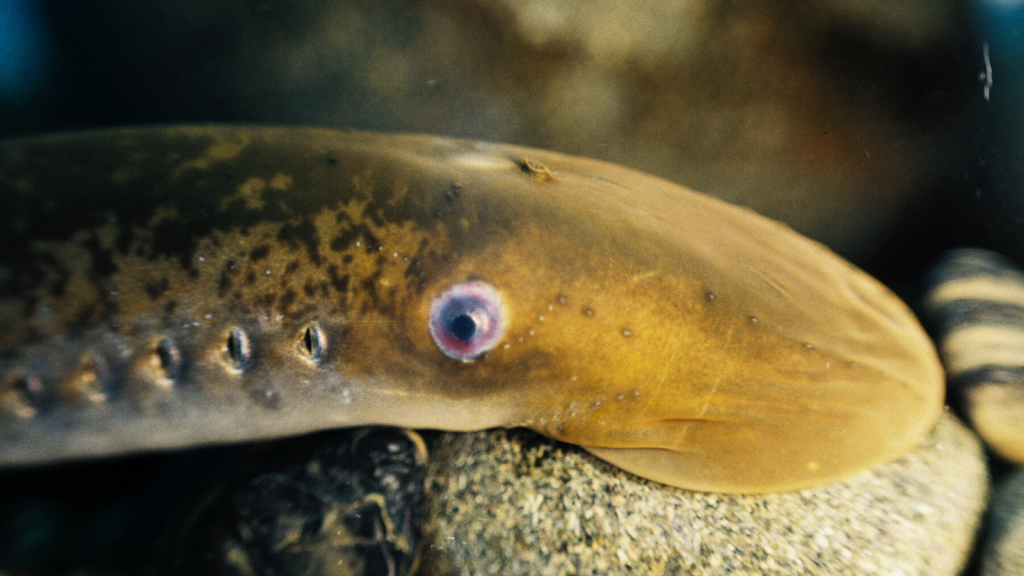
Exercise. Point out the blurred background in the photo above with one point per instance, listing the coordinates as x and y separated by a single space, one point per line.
888 129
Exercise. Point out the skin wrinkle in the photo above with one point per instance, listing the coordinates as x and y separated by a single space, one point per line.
189 234
771 283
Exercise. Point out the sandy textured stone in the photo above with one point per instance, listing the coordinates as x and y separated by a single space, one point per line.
1003 553
511 502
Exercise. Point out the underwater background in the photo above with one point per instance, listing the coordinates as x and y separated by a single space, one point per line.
891 131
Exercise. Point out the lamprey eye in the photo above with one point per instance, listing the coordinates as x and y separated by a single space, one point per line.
467 320
313 343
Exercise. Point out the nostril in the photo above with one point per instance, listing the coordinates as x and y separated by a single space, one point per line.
237 348
168 358
24 394
95 380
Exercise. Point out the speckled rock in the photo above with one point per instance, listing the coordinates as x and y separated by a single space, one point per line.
510 502
1003 553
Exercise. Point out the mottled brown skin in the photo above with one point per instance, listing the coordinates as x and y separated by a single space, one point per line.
684 339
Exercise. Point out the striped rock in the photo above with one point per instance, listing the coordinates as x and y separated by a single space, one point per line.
976 304
1002 551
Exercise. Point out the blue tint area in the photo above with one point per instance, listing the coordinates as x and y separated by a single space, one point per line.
1001 3
1000 31
1000 26
25 51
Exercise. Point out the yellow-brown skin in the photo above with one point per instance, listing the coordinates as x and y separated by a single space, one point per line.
681 338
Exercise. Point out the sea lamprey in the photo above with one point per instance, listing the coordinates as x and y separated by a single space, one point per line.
172 287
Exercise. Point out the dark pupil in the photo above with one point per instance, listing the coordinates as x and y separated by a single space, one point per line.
309 341
462 327
235 346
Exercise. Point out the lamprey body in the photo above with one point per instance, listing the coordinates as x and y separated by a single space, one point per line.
171 287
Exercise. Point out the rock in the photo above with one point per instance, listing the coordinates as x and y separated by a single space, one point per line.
511 502
975 305
336 502
1003 550
340 503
